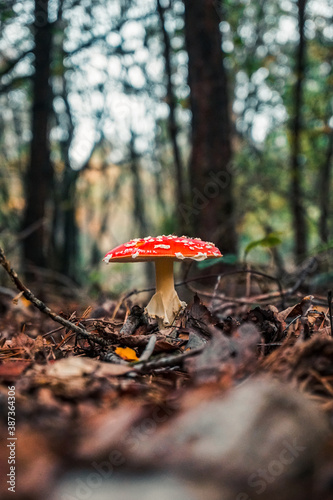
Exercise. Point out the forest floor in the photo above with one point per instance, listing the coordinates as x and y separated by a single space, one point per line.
220 406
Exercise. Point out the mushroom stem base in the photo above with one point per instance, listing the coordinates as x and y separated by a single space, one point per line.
165 304
165 311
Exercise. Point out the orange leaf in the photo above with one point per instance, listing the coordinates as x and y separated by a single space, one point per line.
127 353
25 302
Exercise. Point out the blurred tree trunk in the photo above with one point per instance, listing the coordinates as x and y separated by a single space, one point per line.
69 254
211 208
69 264
297 207
139 211
172 122
324 230
39 172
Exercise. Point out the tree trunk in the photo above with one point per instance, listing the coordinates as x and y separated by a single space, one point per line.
39 172
69 254
139 212
210 211
297 208
172 122
70 248
324 230
139 209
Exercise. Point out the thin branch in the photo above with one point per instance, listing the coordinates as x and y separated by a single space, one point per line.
81 332
303 275
281 294
149 348
19 80
11 64
167 361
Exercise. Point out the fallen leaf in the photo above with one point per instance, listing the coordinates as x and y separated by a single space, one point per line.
300 309
269 323
126 353
11 369
199 319
164 346
71 367
103 433
112 369
224 354
80 367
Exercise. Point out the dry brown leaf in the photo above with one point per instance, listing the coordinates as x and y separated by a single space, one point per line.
80 367
12 369
103 433
300 309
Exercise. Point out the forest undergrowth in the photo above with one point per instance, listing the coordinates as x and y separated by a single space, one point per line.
232 403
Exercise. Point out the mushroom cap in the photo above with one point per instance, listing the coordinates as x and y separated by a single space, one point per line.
171 247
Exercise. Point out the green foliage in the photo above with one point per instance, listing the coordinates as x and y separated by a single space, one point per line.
269 241
226 259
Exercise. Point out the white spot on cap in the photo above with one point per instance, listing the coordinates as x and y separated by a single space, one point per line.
135 255
162 246
200 256
179 255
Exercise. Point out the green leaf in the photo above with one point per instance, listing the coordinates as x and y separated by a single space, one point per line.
226 259
271 240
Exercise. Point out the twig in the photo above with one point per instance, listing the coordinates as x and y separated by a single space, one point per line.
292 322
240 271
167 361
216 287
304 273
281 294
51 332
251 300
149 348
43 307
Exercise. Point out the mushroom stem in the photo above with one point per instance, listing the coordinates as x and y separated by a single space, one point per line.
165 304
164 276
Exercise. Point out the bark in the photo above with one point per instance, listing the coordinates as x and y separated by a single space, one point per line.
70 250
211 208
69 262
297 208
139 212
326 172
39 172
172 122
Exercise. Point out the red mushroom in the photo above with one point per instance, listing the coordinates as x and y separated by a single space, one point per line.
163 250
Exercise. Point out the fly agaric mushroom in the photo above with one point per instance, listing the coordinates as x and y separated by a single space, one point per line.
163 250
